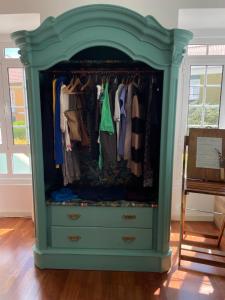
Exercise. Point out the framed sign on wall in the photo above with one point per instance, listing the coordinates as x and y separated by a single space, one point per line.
206 154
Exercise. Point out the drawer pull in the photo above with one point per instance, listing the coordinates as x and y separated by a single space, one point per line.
74 238
129 217
74 216
128 239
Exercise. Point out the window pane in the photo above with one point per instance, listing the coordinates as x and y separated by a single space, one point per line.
18 116
213 95
21 163
194 116
3 163
216 50
20 134
197 49
16 76
214 75
11 53
197 75
18 105
17 94
195 95
211 116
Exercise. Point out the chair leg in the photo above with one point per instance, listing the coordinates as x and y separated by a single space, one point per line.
221 232
182 221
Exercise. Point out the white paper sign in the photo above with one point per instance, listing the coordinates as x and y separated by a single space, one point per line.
207 152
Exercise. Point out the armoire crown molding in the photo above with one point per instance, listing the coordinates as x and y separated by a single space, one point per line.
101 25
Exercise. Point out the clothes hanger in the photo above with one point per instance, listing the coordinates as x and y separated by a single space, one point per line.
73 87
71 82
87 83
136 84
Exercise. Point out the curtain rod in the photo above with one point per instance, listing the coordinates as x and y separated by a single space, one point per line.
93 71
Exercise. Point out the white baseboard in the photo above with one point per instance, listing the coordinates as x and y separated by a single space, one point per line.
9 214
200 218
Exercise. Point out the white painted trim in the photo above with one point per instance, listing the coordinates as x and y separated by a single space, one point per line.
201 218
16 214
15 181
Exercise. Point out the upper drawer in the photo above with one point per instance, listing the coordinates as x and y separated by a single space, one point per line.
101 216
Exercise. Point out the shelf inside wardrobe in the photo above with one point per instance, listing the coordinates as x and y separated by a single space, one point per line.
122 203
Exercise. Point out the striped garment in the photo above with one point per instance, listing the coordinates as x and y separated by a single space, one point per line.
137 134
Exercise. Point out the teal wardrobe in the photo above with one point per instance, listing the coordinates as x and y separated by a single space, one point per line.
107 237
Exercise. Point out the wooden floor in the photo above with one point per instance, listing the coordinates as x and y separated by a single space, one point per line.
20 280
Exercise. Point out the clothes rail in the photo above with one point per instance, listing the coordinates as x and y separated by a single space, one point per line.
104 71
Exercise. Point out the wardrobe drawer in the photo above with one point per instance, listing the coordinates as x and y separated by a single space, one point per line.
99 237
138 217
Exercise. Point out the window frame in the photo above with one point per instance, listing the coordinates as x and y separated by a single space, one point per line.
203 60
8 145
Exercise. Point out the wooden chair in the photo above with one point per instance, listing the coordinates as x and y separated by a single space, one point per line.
187 247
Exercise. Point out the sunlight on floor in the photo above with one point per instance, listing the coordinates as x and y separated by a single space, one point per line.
5 231
157 292
206 286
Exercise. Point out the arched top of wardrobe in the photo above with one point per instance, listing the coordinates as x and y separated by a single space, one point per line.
142 38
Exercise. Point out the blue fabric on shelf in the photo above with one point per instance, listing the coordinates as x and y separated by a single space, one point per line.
99 193
64 194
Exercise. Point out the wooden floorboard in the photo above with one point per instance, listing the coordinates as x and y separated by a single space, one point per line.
20 280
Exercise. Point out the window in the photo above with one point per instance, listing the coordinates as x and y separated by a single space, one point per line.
15 160
19 117
197 50
204 96
11 52
204 86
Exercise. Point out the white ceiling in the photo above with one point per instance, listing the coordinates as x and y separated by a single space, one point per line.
13 22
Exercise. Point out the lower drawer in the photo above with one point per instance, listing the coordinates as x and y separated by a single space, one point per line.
136 217
98 237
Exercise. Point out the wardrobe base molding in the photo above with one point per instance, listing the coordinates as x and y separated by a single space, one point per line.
140 261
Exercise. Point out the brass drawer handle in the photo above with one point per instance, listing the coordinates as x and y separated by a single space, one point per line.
129 217
74 216
128 239
74 238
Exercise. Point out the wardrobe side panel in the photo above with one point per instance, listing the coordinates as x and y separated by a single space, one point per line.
34 110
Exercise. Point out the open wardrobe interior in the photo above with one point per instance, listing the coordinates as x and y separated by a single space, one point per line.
102 87
101 126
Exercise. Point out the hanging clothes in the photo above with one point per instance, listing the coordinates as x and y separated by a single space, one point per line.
53 99
116 116
74 126
71 166
78 130
122 130
137 136
107 136
128 107
90 98
58 149
106 123
64 106
122 119
152 133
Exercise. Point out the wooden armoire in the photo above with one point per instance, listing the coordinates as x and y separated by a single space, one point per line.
132 238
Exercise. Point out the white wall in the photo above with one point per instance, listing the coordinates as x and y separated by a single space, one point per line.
16 200
166 12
